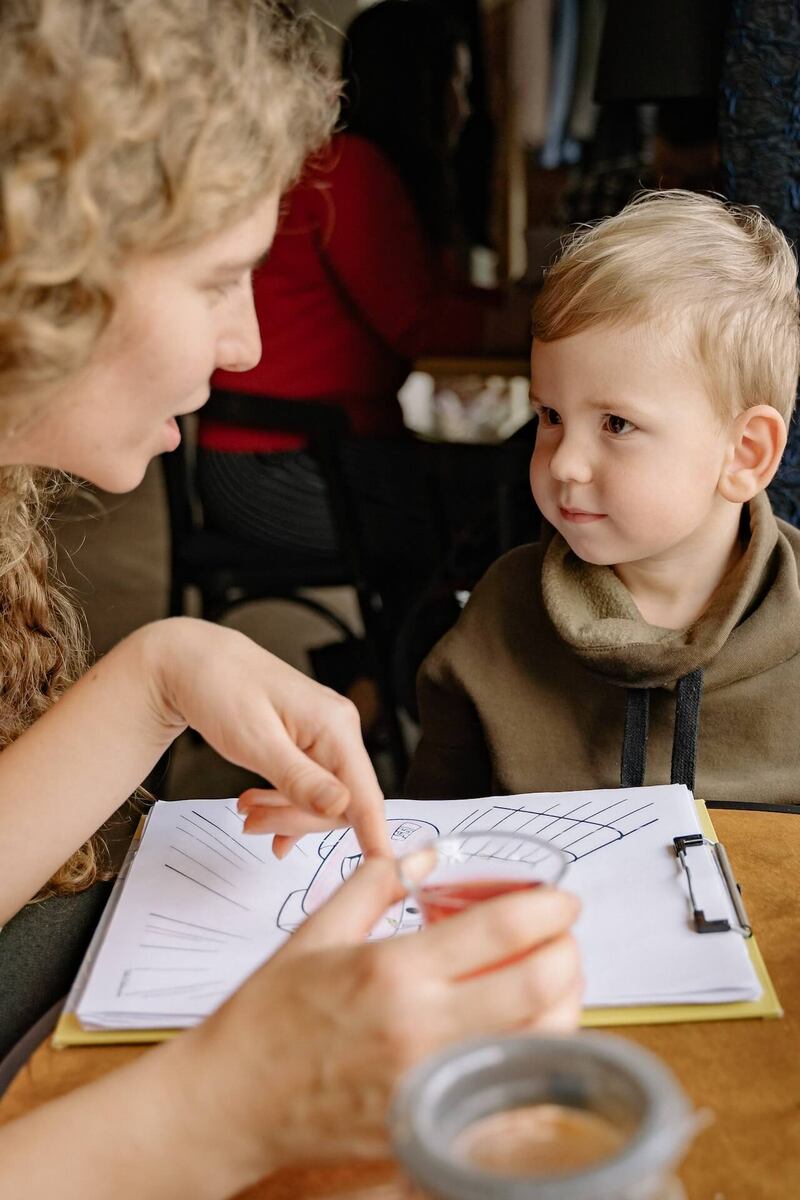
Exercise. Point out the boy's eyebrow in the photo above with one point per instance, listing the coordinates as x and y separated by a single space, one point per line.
603 403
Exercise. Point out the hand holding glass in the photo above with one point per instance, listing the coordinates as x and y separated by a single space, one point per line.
457 870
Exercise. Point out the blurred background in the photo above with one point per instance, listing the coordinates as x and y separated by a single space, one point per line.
564 109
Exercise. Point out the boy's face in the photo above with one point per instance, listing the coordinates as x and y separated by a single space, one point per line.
629 451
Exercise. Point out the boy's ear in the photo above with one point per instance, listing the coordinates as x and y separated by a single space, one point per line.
757 443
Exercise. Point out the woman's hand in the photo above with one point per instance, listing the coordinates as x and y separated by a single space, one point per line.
262 714
299 1066
305 1057
74 767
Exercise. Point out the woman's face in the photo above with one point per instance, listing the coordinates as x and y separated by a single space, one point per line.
180 314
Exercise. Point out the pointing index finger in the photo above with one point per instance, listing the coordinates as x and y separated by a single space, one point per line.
366 809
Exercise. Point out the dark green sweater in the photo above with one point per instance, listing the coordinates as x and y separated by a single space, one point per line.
528 691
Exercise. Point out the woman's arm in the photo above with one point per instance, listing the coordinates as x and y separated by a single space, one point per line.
300 1064
80 761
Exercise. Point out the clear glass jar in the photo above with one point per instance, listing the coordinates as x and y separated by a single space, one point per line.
587 1117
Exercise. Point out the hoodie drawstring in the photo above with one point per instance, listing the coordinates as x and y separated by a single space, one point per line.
688 693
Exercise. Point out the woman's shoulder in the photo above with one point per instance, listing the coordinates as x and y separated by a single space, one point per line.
354 148
352 160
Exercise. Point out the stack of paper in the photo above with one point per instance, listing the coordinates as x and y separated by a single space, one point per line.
203 904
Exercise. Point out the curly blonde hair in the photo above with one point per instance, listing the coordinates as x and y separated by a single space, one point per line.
726 275
126 126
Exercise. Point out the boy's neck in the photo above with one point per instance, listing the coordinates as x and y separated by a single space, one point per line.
675 589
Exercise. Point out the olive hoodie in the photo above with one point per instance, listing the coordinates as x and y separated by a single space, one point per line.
551 680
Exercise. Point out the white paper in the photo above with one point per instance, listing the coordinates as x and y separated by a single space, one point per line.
204 904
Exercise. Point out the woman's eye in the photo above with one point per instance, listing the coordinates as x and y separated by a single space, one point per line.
618 425
221 290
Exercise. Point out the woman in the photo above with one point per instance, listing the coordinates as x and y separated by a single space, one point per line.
143 147
358 284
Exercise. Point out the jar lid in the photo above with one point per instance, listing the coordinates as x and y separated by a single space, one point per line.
598 1073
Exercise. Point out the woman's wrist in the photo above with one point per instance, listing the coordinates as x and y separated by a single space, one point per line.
165 649
219 1122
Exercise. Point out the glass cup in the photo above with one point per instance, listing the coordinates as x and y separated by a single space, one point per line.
532 1117
454 871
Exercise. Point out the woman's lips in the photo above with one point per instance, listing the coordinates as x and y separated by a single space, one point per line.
578 517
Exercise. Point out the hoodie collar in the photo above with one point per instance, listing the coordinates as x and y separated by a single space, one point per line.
752 623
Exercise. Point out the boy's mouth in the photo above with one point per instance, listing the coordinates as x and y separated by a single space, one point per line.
578 516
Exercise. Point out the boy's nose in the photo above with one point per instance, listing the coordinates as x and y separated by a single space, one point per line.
569 463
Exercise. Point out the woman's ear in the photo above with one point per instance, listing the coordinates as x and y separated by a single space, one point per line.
757 443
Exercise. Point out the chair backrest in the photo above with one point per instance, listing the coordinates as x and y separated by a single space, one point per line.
324 427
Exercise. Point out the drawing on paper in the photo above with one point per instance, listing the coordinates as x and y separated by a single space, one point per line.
341 854
577 828
205 842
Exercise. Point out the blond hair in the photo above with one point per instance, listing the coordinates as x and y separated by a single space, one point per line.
126 126
725 274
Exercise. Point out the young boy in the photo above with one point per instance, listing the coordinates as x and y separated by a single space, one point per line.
657 624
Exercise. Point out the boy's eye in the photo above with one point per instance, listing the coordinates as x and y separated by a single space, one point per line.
618 425
549 417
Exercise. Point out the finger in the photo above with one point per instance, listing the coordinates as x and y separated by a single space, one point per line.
565 1015
339 754
494 931
352 911
289 822
523 994
302 781
366 810
281 845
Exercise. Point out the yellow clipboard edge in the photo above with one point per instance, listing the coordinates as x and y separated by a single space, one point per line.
668 1014
70 1032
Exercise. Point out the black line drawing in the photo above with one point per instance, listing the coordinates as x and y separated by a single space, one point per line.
578 825
341 854
575 831
161 981
192 879
207 928
226 850
199 862
235 840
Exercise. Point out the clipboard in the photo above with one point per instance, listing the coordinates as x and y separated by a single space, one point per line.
669 1014
69 1032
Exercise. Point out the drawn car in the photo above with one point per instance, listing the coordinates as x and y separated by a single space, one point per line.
341 854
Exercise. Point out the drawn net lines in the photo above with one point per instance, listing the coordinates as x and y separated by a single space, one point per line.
572 830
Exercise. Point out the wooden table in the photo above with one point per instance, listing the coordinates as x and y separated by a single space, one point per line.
745 1073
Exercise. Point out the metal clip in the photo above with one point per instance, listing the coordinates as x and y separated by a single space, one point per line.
701 923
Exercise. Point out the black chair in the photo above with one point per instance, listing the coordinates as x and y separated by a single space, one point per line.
507 517
227 572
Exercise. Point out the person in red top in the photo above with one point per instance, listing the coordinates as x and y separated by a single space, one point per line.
356 287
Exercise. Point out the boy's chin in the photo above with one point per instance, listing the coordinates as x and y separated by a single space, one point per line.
581 548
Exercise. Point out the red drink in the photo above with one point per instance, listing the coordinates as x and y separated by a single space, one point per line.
440 900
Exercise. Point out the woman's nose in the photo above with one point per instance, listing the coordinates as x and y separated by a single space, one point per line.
240 345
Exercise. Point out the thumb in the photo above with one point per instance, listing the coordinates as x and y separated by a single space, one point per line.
352 911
